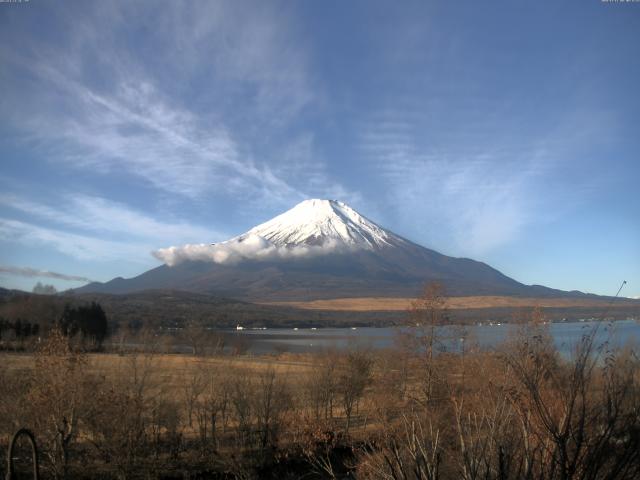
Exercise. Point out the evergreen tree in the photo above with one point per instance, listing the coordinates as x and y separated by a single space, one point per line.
89 321
17 328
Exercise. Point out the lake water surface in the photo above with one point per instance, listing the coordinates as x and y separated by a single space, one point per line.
565 335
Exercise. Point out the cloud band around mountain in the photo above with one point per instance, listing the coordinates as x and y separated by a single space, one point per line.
250 247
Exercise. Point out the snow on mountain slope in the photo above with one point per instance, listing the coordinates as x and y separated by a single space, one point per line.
313 227
316 222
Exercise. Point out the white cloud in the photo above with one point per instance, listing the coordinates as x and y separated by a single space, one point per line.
251 247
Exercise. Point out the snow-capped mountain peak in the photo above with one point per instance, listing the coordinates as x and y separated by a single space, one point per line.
318 222
311 228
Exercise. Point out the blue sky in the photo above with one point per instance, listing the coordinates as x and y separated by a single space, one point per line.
508 132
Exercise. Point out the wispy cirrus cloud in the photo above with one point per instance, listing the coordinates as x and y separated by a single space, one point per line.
97 215
217 139
35 273
75 245
85 221
299 160
474 194
134 130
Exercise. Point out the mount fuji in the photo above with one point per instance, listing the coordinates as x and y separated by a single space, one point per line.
316 222
319 249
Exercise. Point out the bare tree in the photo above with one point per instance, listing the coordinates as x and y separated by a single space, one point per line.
321 385
579 420
196 336
55 398
354 376
428 313
212 409
271 401
192 388
413 451
482 436
128 412
241 400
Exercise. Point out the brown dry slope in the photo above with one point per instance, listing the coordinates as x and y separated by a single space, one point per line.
381 304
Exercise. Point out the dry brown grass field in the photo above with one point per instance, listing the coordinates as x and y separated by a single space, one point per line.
173 366
411 412
365 304
173 369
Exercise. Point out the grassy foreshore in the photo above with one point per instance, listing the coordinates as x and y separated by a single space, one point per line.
521 412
